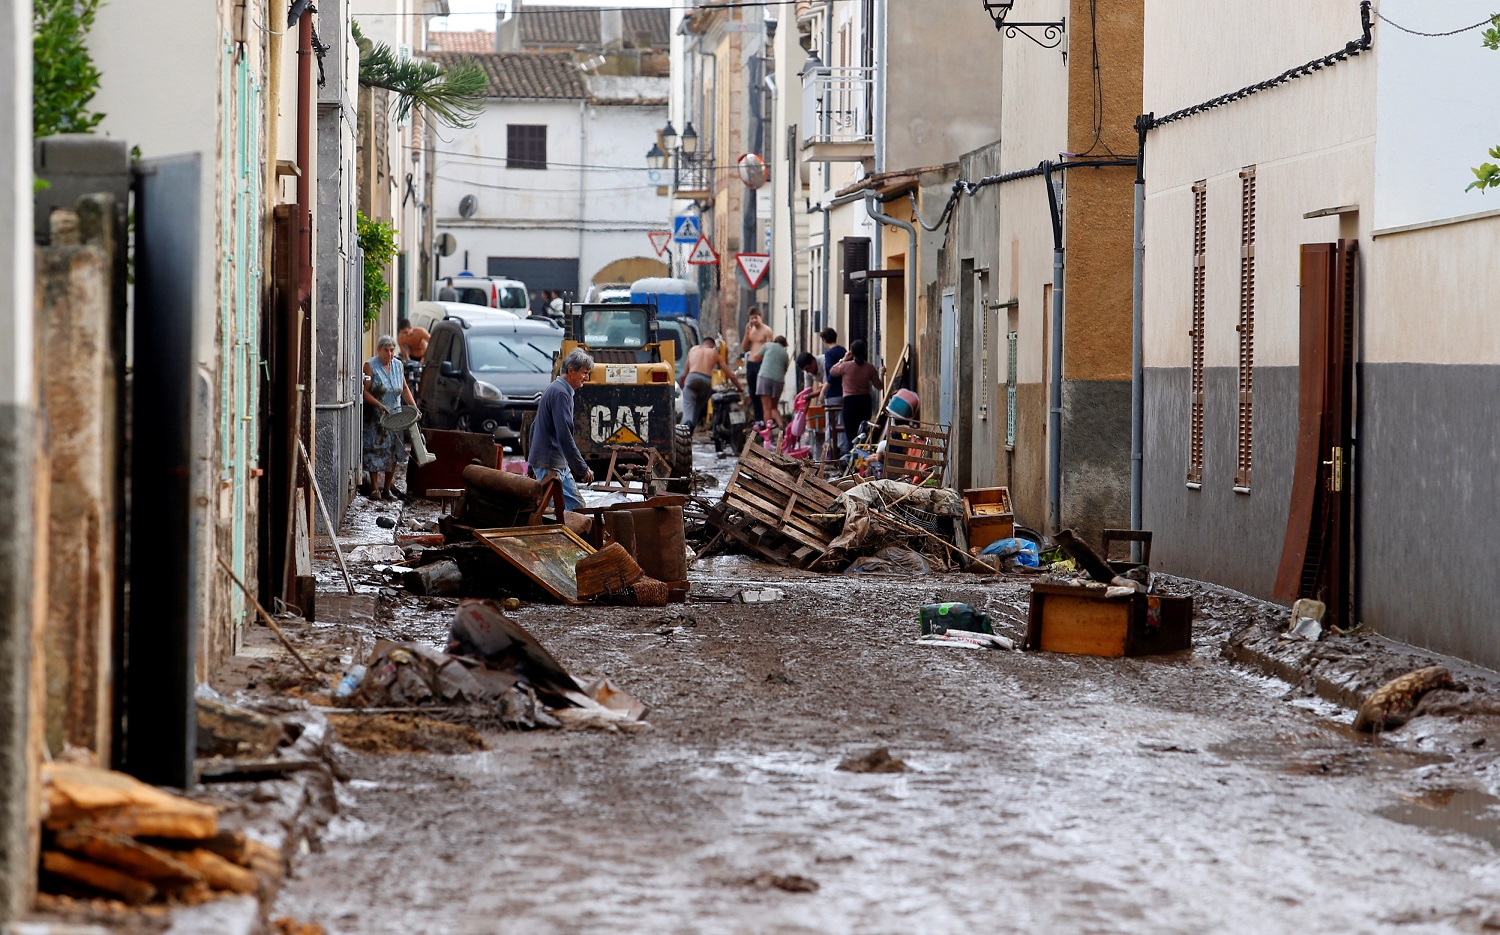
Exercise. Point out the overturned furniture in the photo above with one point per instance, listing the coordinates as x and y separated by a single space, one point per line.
1082 620
915 452
773 507
494 499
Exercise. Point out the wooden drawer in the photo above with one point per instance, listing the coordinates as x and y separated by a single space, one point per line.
1082 621
988 515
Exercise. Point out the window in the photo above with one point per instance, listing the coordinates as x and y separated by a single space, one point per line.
525 146
520 353
1246 329
1200 246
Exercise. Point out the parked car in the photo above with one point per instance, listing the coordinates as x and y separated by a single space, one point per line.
489 291
427 314
484 374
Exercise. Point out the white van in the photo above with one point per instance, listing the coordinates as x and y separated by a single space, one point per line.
426 314
489 291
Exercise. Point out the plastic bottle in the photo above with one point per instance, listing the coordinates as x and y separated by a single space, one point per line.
953 616
350 681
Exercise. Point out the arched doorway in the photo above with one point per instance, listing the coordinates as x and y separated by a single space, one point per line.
630 269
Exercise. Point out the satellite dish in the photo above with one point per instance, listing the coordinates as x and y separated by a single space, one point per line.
446 244
467 206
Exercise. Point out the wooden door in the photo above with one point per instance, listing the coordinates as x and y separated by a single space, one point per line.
1316 557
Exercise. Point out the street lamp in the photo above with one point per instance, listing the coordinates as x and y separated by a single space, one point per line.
1052 33
681 151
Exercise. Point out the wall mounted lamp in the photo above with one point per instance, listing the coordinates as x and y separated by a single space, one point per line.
1051 33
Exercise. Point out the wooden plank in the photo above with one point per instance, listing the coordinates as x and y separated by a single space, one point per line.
99 877
139 860
221 874
768 511
790 531
907 443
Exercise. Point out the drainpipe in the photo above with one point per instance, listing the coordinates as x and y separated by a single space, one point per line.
1137 350
911 273
305 116
583 182
1054 420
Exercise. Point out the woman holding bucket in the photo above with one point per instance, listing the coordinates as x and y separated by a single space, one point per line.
385 389
860 379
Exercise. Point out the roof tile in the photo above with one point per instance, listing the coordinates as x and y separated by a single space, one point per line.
524 74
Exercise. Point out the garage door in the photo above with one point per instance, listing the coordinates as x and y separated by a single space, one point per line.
538 274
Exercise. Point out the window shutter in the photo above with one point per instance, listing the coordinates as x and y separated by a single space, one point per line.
1200 246
1246 327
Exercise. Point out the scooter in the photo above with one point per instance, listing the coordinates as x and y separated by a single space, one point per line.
727 427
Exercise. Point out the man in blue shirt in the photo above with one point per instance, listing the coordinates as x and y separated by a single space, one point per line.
833 391
553 449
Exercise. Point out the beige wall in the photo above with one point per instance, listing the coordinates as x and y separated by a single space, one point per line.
1429 297
936 108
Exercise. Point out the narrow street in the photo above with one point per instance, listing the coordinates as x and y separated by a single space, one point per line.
1042 792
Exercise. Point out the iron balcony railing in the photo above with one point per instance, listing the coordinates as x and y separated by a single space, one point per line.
837 104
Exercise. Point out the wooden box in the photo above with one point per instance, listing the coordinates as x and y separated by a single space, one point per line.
1082 621
988 515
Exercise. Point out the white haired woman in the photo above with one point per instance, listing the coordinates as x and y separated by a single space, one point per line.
385 391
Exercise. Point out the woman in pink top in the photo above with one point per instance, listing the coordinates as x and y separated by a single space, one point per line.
860 380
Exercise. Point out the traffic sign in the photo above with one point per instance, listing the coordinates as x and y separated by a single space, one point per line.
660 240
685 229
703 253
753 267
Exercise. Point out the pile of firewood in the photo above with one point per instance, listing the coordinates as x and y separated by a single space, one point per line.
108 834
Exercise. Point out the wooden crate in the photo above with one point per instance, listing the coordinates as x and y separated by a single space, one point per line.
988 515
770 505
1082 621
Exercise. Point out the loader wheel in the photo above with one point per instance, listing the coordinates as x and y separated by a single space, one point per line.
682 459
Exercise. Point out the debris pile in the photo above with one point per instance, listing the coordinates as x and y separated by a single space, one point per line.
493 674
108 834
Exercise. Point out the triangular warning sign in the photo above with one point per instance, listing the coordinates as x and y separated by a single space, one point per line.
753 267
624 436
660 240
703 253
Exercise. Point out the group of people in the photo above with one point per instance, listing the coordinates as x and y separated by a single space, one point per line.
845 377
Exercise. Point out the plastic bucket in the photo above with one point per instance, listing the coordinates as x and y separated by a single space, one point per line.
903 405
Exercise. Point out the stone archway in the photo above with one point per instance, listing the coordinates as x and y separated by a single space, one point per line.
630 269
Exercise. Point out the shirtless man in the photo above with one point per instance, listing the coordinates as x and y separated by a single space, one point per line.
757 333
697 380
412 341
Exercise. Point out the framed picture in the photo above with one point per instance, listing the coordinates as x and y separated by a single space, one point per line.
546 554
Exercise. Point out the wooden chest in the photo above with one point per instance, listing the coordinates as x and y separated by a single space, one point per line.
988 515
1083 621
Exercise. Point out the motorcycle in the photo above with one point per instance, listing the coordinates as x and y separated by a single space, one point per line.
727 426
414 376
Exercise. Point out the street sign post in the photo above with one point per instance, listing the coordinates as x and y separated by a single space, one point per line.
703 253
660 240
686 229
753 267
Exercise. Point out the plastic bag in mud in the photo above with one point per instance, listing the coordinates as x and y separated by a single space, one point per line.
891 560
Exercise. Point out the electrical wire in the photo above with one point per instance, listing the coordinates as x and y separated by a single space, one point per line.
737 5
1435 35
1098 81
545 191
1352 48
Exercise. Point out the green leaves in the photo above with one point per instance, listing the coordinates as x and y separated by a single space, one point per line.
64 78
454 96
378 240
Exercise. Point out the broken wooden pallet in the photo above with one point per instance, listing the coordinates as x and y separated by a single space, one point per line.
771 505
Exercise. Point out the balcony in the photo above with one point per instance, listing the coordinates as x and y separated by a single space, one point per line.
837 108
693 175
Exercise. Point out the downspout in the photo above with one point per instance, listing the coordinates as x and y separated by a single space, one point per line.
1054 420
911 274
1137 350
583 140
305 115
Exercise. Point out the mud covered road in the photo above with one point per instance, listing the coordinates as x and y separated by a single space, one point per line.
1044 793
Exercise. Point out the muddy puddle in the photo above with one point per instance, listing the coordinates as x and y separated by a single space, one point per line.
1450 811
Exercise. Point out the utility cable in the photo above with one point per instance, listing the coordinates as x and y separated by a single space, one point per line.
1434 35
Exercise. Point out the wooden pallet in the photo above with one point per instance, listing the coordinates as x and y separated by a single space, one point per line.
769 507
915 452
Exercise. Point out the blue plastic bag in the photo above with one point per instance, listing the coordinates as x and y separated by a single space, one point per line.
1022 550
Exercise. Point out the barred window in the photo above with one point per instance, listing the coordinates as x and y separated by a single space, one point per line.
525 146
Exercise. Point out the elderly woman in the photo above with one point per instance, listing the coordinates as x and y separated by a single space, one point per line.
385 390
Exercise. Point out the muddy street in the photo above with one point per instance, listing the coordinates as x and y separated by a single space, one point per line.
1040 793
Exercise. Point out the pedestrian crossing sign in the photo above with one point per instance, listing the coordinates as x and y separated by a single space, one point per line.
686 229
703 254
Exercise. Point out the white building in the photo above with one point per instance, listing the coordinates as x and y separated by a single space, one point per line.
561 194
